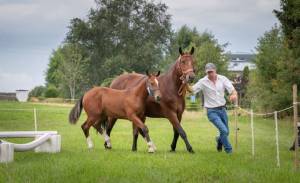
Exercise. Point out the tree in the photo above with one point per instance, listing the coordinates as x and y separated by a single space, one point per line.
37 91
207 49
72 68
268 88
51 92
289 17
52 75
129 35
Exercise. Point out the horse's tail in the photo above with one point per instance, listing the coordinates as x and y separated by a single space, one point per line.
76 111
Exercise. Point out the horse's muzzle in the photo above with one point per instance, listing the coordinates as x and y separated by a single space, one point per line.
190 78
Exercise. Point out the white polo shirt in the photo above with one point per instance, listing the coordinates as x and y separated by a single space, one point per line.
213 93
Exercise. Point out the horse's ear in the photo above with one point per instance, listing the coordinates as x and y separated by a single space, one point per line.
180 51
192 50
147 72
158 73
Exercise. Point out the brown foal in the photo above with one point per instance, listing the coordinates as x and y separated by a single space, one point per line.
101 103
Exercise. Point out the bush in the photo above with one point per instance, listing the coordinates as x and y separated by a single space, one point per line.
51 92
37 91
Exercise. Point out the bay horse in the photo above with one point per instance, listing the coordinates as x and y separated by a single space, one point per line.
173 86
100 103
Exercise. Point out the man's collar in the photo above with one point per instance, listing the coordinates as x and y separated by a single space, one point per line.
206 77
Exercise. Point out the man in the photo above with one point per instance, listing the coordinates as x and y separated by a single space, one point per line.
213 87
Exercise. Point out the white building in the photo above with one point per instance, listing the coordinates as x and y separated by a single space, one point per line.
238 61
22 95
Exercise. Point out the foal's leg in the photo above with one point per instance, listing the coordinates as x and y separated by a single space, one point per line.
136 120
85 128
136 131
110 124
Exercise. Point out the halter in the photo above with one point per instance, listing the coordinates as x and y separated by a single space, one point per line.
184 86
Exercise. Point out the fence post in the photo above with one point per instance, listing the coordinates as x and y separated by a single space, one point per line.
252 132
35 119
295 104
235 123
277 138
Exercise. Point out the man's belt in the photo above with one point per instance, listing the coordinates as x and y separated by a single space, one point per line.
217 108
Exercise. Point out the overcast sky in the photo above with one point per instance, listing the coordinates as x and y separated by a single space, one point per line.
31 29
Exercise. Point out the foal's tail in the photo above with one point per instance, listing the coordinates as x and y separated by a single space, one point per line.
75 112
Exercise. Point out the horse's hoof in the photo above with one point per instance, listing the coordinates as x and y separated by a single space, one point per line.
154 147
151 150
90 146
107 147
133 150
191 151
172 150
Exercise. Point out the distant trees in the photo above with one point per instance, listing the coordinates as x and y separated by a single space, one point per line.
207 49
277 61
130 35
67 70
37 91
116 36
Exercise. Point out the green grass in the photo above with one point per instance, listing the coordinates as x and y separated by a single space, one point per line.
75 163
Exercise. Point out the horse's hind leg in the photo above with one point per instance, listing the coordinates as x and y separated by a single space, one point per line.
110 124
86 128
135 131
98 127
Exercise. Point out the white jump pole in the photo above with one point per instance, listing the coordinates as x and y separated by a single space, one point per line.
252 132
277 139
35 119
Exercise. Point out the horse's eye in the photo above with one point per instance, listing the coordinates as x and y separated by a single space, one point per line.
184 62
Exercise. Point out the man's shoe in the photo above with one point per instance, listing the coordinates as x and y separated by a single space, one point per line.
219 144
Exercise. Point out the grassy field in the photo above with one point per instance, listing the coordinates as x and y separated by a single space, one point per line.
75 163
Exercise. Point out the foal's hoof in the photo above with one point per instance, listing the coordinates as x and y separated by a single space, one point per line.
191 151
172 150
107 146
151 150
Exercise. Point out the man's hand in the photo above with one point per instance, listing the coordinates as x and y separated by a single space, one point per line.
233 97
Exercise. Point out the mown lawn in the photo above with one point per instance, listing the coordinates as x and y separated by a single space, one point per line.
75 163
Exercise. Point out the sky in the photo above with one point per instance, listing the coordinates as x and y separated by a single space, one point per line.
31 29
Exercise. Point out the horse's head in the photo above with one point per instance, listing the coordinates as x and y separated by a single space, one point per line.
186 66
153 86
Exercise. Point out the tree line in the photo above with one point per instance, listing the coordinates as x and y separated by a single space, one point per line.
136 35
122 36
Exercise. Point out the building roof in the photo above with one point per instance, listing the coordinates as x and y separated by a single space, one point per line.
238 61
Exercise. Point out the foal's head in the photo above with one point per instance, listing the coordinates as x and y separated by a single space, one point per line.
186 65
153 86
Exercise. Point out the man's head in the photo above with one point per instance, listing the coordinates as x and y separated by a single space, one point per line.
211 70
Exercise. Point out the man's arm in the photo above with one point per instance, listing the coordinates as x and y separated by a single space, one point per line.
197 87
231 90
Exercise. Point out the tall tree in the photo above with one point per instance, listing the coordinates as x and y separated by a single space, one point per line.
289 17
207 49
122 35
267 81
72 69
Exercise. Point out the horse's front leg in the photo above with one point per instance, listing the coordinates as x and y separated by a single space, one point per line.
139 124
178 130
135 133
